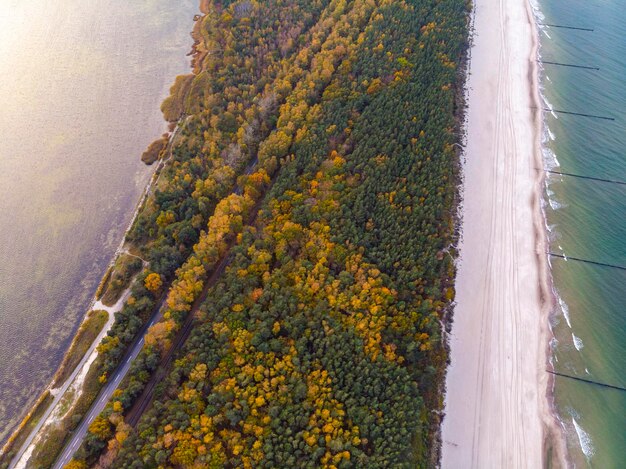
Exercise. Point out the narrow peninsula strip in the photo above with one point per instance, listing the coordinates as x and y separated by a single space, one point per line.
300 245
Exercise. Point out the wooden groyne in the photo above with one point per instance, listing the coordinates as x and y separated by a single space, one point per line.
565 27
587 261
591 178
585 67
589 381
593 116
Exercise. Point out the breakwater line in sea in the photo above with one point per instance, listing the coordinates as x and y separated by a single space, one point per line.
589 381
580 176
580 114
585 67
565 27
585 219
587 261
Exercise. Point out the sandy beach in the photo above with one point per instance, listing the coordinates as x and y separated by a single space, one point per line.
498 411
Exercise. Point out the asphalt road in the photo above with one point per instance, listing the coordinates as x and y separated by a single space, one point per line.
105 394
60 392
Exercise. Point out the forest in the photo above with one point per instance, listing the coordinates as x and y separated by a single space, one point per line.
301 241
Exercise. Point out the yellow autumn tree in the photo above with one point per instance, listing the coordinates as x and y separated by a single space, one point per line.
153 282
101 428
76 464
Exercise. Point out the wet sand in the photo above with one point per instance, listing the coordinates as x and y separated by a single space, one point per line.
498 411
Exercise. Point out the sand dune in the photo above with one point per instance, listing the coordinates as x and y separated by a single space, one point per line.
497 411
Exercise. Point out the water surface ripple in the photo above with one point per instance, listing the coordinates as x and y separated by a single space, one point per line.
588 220
80 85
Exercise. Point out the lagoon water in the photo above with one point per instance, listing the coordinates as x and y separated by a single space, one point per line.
81 82
587 220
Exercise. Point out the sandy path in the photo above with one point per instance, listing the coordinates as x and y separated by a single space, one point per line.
74 383
497 411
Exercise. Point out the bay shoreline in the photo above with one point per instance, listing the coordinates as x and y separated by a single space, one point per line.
32 438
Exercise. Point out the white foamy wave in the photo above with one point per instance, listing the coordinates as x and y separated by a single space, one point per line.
547 135
548 78
578 342
565 310
549 106
584 439
554 204
549 158
546 33
537 12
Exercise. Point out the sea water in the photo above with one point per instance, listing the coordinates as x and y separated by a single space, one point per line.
587 219
81 82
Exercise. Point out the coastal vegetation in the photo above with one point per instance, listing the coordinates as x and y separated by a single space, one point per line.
304 224
86 334
54 436
155 150
125 267
19 436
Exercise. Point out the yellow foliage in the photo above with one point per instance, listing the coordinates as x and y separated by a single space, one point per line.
101 428
76 464
153 282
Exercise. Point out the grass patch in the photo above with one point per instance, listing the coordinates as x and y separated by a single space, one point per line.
19 436
53 441
55 437
47 451
103 283
123 270
85 336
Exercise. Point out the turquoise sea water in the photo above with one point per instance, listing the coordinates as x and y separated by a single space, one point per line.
587 219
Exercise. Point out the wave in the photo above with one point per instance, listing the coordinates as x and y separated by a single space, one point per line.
554 343
586 444
565 311
549 158
578 342
554 204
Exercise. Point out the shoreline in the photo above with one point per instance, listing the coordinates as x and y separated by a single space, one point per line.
47 418
554 443
508 419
